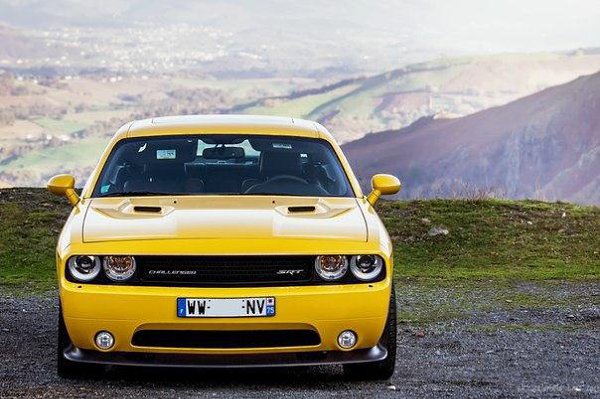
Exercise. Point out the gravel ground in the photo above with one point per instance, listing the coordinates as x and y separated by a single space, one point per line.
484 351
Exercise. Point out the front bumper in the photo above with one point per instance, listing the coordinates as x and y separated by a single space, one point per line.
124 310
374 354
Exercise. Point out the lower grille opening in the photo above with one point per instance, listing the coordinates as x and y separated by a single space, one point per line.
225 339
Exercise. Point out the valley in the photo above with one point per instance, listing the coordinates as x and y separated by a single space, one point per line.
52 124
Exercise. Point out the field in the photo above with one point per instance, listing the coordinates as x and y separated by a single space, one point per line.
62 124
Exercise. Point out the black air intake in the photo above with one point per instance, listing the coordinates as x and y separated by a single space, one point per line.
225 339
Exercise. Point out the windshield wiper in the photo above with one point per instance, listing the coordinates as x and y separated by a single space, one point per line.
136 194
274 194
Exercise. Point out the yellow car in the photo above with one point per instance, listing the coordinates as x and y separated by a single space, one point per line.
225 241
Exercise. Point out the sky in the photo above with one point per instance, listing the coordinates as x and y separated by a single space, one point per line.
511 25
456 25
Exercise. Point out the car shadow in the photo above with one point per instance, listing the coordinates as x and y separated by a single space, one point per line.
292 377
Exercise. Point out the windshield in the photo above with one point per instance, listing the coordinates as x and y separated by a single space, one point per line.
223 164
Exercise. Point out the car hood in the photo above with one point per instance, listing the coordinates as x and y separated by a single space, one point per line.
223 217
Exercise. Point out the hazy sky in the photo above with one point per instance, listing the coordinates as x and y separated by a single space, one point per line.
521 25
453 25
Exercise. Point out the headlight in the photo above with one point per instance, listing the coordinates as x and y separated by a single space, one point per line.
331 267
119 268
84 267
366 267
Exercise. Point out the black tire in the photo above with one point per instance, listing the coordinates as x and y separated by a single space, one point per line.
64 367
383 369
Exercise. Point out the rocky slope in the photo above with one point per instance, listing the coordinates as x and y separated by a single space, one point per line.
545 146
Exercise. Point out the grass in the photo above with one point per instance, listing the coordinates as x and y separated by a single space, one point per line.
488 240
83 120
505 240
69 156
59 126
493 303
302 107
30 221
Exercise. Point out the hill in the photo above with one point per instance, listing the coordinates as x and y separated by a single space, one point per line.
302 38
487 239
228 38
55 124
544 146
446 88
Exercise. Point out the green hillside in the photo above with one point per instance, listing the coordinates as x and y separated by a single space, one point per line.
450 87
486 240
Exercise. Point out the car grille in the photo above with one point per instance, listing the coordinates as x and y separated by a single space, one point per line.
225 339
225 270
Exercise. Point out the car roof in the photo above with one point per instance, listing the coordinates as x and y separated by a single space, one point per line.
223 124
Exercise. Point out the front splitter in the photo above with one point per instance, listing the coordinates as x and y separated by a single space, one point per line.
374 354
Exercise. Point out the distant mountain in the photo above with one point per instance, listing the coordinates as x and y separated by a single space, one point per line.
297 38
448 87
544 146
234 37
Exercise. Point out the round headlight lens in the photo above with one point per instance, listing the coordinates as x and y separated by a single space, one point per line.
119 268
84 267
331 267
366 267
104 340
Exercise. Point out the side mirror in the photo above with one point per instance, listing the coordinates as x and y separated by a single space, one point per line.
64 185
383 185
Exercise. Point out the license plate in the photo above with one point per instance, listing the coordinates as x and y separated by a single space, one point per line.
226 307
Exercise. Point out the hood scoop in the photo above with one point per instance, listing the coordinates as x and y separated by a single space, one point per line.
301 209
317 209
125 209
147 209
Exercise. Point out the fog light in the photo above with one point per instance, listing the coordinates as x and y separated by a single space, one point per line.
347 339
104 340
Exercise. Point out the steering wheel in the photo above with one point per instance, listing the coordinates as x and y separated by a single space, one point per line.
290 178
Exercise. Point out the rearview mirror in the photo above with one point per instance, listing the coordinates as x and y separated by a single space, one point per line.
223 153
383 185
64 185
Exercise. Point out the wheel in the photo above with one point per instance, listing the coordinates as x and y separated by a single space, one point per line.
64 367
383 369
